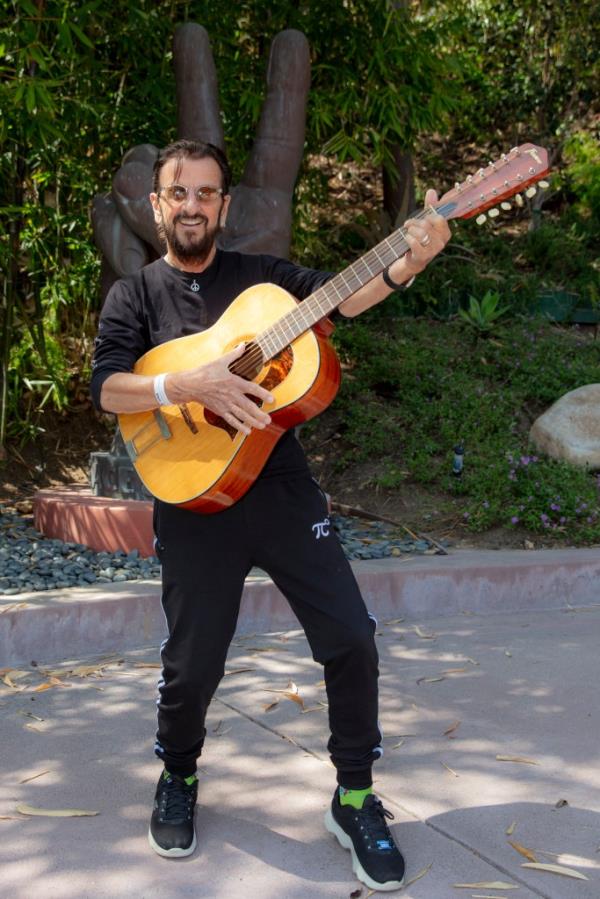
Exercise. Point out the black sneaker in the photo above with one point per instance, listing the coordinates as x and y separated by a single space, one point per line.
376 860
172 824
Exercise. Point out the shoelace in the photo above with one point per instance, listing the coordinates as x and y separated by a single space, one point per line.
175 799
374 824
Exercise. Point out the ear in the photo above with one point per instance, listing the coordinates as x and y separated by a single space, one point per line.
224 210
155 203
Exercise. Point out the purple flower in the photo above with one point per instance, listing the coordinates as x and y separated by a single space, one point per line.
514 519
562 519
511 475
466 515
525 460
555 507
544 517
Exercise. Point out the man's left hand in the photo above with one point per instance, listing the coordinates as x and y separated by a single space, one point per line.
426 237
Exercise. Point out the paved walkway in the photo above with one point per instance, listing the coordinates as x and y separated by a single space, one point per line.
456 693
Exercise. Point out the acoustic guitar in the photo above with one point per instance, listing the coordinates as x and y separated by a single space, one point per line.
189 456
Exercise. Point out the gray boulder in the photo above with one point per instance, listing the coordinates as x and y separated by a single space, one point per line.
570 429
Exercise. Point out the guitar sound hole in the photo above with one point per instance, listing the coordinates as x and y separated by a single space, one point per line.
279 367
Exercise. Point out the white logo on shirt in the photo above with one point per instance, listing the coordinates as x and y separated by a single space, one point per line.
195 286
321 528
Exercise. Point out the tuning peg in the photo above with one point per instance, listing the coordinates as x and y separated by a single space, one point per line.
544 184
531 192
505 206
518 199
493 213
481 218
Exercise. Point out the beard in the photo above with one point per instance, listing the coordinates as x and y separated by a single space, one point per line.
191 248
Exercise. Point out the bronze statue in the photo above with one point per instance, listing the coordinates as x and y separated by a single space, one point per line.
260 215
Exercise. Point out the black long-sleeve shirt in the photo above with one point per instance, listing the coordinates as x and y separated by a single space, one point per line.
160 303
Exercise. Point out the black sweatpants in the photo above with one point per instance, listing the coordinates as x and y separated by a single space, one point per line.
282 527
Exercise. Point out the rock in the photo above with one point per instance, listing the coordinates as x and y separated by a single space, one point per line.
570 429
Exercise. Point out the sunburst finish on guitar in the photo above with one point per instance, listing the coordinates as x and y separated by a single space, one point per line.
189 456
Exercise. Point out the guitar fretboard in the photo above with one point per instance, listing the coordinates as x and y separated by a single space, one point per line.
328 297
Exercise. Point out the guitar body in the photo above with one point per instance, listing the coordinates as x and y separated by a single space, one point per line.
190 457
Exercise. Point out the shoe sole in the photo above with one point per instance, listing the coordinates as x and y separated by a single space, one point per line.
171 853
346 843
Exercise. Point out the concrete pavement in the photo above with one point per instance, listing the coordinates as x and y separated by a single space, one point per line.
456 692
113 617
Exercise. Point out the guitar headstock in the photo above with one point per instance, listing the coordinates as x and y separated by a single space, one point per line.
513 173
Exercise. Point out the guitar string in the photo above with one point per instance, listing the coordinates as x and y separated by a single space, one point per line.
249 362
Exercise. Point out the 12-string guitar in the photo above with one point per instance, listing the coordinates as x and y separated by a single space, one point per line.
188 455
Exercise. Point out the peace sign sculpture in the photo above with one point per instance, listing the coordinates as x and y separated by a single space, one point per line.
260 214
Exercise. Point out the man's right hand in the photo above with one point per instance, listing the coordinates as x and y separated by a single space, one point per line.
221 391
212 384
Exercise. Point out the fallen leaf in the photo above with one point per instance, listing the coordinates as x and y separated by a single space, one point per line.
38 730
555 869
237 671
33 777
516 758
320 683
88 670
425 636
271 705
452 729
46 686
315 708
55 812
10 818
511 829
394 621
30 715
429 680
507 653
448 768
486 885
455 671
523 850
147 665
14 607
418 876
397 745
295 698
561 803
472 661
355 894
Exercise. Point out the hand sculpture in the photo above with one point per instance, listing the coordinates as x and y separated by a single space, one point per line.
260 214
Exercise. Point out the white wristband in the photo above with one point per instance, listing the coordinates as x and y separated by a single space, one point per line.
159 390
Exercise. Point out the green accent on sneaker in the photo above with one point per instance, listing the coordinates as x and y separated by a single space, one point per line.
355 798
189 780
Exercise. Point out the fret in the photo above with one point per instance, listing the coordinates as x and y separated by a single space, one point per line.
331 294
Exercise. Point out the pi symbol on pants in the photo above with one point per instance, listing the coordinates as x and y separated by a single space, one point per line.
321 528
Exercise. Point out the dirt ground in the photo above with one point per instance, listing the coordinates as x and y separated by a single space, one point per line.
60 456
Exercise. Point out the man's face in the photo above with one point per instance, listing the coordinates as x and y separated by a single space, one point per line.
189 227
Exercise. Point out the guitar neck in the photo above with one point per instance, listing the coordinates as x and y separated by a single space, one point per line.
334 292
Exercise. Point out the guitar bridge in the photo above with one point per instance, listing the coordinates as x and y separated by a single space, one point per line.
187 417
155 429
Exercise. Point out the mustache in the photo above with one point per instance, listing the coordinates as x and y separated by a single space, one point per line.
181 215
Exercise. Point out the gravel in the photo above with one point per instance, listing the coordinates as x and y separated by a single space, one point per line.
29 561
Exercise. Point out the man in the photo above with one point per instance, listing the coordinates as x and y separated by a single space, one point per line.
205 558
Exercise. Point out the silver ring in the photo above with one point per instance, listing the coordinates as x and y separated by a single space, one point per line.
426 240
